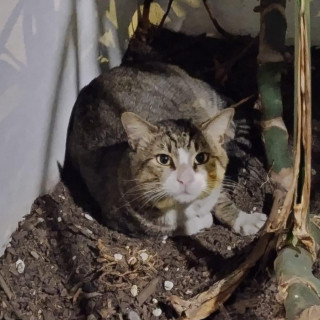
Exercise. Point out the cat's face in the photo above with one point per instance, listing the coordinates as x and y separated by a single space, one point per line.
174 161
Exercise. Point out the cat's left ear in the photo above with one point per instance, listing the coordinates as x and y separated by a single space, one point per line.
214 129
139 131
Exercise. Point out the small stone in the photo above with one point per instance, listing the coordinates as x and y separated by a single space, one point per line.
168 285
157 312
244 170
35 255
88 230
74 258
154 300
132 315
117 256
164 239
144 256
178 269
20 266
188 292
166 269
88 217
39 211
254 209
134 290
40 220
229 248
313 172
59 219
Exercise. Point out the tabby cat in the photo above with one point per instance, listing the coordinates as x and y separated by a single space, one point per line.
149 143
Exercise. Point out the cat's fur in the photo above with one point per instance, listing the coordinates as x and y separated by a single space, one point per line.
123 123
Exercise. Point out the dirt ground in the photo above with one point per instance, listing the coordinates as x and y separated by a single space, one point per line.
62 264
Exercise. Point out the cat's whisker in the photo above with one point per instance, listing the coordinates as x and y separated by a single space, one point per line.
155 198
145 195
141 195
142 188
157 194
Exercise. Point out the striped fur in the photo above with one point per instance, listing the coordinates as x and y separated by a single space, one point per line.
127 122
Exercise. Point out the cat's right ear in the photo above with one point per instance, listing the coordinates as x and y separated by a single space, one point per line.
139 131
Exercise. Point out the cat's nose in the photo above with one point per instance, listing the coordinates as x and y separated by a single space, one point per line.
185 174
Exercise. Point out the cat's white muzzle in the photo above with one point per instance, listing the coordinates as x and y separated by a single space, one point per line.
184 184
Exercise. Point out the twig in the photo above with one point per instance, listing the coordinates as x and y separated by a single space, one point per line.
147 291
5 288
144 23
224 33
242 101
224 312
226 66
165 15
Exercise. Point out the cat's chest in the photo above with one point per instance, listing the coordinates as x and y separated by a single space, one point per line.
178 216
200 207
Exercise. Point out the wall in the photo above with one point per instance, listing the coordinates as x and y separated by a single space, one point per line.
49 50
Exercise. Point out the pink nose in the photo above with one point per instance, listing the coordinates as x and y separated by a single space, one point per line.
185 174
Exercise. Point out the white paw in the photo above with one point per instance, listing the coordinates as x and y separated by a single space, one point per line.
247 224
196 224
170 219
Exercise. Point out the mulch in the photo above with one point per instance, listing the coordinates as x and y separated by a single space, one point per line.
62 264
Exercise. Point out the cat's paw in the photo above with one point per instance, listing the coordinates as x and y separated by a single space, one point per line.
196 224
248 224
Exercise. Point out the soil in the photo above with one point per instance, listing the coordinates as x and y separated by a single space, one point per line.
62 264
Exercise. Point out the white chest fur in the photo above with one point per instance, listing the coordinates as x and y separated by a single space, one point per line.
191 218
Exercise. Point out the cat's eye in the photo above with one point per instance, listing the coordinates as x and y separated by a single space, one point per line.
163 159
201 158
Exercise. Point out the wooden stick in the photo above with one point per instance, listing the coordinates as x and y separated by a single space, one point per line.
165 15
5 288
224 33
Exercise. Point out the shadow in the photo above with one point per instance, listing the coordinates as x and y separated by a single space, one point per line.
217 263
70 37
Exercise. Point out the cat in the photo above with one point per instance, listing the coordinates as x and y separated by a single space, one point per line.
149 142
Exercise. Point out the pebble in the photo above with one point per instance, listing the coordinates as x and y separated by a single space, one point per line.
117 256
20 266
134 290
168 285
188 292
39 211
164 239
144 256
157 312
59 219
88 217
35 255
229 248
313 172
154 300
132 315
166 269
88 231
